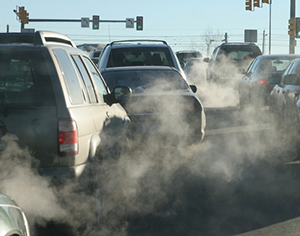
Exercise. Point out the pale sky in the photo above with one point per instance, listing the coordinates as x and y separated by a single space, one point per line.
181 23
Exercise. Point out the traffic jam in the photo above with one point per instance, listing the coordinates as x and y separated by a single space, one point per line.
135 138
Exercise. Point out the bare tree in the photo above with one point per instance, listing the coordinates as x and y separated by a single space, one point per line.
211 39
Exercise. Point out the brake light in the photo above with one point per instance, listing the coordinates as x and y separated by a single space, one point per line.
264 82
67 137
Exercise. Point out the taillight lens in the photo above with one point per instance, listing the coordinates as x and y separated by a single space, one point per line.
67 137
264 82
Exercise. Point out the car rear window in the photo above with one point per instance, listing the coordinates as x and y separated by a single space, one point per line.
239 52
273 65
24 77
140 56
145 79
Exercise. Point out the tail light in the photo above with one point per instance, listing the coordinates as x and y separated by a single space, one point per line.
264 82
67 137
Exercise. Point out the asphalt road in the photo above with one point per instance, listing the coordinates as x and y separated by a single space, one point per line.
236 182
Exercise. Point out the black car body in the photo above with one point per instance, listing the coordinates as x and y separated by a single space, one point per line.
261 77
285 100
161 101
228 59
185 56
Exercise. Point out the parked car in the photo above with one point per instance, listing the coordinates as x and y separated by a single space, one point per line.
13 221
185 56
53 98
162 102
94 55
228 59
261 77
138 53
285 102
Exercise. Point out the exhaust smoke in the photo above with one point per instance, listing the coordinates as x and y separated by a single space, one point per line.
164 186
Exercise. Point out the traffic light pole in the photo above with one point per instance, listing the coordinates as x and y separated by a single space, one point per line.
292 37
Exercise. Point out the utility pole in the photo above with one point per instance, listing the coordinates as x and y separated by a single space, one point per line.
264 40
292 37
270 18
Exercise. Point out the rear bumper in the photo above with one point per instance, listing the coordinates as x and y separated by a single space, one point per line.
62 171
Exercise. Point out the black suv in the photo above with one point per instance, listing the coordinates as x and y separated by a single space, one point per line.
55 101
228 60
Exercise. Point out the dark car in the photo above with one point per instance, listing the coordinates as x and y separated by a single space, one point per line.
228 60
261 77
94 55
138 53
285 100
185 56
162 102
13 221
55 101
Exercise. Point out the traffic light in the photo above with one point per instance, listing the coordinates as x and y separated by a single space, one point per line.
23 15
292 26
95 22
297 28
139 23
265 1
257 3
249 5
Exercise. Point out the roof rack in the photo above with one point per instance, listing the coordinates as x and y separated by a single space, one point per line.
137 40
36 38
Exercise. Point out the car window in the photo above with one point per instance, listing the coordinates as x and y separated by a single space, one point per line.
287 71
101 88
253 66
70 76
140 56
159 80
85 78
24 78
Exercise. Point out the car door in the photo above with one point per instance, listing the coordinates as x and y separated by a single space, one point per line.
111 120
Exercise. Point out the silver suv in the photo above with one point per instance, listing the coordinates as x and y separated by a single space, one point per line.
138 53
228 60
55 101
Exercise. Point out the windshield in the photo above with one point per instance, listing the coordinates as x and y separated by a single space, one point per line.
273 65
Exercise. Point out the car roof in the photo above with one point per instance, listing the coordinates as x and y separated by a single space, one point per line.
141 68
37 38
237 44
140 43
271 56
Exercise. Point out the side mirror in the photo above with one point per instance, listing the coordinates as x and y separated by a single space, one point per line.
121 94
206 59
194 88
